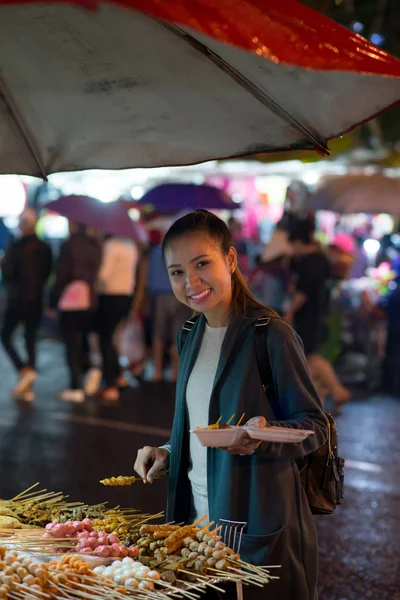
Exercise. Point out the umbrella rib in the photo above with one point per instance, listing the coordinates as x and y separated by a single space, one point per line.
21 125
261 96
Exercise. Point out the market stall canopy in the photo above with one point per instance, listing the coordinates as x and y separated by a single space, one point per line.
143 83
352 194
173 197
111 218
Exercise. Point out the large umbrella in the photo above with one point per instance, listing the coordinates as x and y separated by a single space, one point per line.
178 82
107 217
173 197
350 194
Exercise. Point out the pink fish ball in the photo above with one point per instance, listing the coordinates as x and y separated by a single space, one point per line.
86 550
93 542
70 529
112 539
84 543
115 550
103 540
50 525
47 534
88 524
123 551
103 551
60 530
83 534
79 526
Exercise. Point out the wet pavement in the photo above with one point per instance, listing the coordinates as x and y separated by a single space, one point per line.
70 447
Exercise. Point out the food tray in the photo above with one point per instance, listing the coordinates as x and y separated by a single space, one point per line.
218 438
222 438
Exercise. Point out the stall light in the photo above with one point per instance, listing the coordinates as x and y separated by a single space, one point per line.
137 192
377 39
371 247
311 177
134 214
357 27
237 198
395 239
198 178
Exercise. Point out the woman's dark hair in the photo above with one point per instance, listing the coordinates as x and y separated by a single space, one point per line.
206 222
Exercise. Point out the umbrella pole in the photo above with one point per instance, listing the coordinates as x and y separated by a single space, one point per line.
21 125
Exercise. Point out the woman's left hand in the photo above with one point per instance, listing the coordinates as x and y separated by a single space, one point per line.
245 444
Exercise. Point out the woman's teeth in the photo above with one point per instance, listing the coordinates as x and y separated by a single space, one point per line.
201 295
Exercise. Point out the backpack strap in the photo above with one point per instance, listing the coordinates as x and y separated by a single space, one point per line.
263 362
185 330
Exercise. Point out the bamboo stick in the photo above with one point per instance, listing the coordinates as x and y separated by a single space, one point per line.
25 491
202 578
240 420
231 419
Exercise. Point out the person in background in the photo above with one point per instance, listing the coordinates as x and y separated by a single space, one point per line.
116 285
389 308
168 313
308 306
269 281
75 298
26 267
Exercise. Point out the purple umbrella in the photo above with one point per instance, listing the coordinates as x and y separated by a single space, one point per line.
170 197
110 218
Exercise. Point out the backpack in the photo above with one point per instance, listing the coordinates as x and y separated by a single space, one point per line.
322 471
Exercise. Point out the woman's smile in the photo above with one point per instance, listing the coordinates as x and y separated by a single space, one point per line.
200 296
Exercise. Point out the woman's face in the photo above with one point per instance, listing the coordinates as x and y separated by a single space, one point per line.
201 275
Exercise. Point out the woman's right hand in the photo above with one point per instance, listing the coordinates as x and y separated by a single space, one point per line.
151 462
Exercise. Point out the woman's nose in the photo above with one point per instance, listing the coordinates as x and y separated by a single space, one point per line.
191 279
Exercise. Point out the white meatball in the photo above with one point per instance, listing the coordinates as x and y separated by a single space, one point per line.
131 582
146 585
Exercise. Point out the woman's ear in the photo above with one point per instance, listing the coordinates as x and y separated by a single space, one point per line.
232 259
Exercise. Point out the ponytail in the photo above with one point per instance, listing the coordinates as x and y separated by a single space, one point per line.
242 298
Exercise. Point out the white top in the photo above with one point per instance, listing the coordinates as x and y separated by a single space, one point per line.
198 395
117 274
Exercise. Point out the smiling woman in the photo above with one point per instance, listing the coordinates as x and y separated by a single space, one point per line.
252 481
202 265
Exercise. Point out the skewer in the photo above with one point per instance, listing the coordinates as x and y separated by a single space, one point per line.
27 590
25 491
231 419
245 577
219 420
175 589
240 420
199 521
251 577
202 578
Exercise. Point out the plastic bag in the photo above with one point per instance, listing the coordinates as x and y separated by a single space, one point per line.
131 343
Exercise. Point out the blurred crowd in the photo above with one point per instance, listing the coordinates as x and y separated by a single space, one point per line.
112 301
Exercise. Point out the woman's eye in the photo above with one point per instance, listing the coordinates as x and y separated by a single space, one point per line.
202 263
176 273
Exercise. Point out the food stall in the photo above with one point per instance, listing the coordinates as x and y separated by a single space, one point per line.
53 548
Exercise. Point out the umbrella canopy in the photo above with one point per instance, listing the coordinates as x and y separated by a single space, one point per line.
109 218
173 197
358 194
178 82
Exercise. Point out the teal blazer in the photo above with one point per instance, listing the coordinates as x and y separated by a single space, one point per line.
264 488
